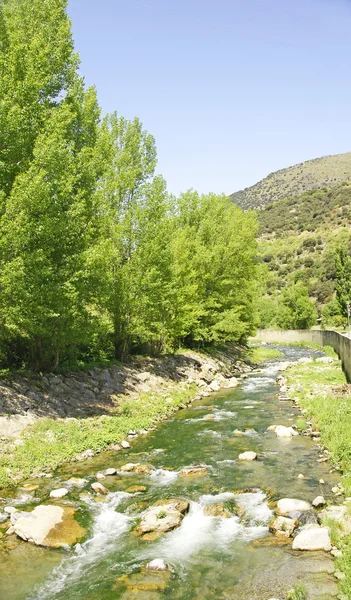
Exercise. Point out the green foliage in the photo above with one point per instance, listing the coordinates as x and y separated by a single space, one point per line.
96 258
49 442
298 592
292 309
259 354
343 278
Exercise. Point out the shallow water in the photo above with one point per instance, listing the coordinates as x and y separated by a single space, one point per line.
212 557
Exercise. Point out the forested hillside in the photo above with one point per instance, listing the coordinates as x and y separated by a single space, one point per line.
324 172
97 259
299 237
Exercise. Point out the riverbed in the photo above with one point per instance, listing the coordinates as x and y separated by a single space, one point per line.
211 557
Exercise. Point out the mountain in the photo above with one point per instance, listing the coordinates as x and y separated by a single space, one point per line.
324 172
298 237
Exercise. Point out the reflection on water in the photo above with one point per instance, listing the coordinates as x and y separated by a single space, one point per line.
213 557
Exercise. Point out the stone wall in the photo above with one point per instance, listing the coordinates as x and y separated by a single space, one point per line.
341 343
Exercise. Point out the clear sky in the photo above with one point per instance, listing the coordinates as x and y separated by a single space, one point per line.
231 89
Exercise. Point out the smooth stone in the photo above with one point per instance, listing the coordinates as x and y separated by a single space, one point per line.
272 428
288 505
100 475
98 488
319 501
248 456
313 538
301 476
126 445
110 471
77 482
321 481
10 509
285 432
157 565
283 526
59 493
50 526
135 468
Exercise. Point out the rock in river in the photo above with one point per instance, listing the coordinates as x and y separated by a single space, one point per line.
312 537
285 506
135 468
217 510
247 456
283 526
287 432
60 493
99 488
195 471
50 526
162 516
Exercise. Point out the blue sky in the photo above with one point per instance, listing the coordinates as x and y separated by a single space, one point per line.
231 89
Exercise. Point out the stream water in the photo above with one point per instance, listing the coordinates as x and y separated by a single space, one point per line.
212 557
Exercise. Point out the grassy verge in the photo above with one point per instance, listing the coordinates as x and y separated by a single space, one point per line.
258 354
52 442
329 407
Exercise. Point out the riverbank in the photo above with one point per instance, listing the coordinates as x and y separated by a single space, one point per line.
319 387
48 420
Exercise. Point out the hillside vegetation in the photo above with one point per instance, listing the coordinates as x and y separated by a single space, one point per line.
324 172
298 240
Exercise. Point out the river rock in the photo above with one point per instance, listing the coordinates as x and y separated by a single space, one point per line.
135 468
163 516
59 493
283 526
313 537
284 366
247 456
285 432
77 482
134 489
147 584
233 382
126 445
50 526
9 510
157 565
195 471
318 502
110 471
214 386
285 506
217 510
99 488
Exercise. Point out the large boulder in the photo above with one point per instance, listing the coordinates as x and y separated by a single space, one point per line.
161 517
313 537
47 525
286 506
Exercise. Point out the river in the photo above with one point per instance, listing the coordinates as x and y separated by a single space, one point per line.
212 557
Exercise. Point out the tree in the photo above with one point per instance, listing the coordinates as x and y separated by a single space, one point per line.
343 278
38 67
295 310
214 250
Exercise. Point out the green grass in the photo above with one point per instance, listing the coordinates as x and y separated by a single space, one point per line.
298 592
331 414
259 354
52 442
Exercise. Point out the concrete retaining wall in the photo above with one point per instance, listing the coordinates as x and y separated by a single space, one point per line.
340 343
